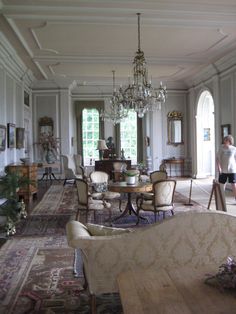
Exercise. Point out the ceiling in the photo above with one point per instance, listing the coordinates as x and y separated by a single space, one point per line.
67 41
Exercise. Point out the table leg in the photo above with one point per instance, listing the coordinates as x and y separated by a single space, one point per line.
129 208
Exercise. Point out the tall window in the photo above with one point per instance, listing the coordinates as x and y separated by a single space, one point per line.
90 127
128 136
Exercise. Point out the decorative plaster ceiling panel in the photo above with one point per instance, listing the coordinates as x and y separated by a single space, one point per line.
76 40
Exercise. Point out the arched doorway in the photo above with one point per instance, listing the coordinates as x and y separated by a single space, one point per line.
205 135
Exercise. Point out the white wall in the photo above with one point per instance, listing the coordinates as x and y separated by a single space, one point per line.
12 85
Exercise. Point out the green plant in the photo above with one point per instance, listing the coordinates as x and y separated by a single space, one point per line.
9 187
131 173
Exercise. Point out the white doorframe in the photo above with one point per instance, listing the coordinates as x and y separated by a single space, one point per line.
205 126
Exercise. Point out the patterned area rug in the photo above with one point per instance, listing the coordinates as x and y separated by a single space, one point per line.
37 276
59 200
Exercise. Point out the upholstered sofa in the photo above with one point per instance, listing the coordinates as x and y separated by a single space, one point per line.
192 238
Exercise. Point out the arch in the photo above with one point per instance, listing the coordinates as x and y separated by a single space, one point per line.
205 135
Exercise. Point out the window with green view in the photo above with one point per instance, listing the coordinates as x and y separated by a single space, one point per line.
90 136
128 136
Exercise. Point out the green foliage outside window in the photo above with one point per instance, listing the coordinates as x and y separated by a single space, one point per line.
128 136
90 127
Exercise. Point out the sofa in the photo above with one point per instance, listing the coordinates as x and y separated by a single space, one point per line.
191 238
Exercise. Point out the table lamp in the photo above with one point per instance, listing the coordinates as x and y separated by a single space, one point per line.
101 146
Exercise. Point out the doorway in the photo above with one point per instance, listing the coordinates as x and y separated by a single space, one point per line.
205 136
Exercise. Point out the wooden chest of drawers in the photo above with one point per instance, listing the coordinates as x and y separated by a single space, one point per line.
106 165
29 171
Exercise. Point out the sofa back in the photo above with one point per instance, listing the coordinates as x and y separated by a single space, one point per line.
191 238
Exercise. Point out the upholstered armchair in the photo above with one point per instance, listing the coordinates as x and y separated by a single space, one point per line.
72 169
86 203
186 239
99 182
162 199
154 176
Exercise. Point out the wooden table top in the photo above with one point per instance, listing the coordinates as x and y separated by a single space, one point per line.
179 291
126 188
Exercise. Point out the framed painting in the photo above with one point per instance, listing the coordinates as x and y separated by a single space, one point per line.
3 132
225 130
20 137
11 135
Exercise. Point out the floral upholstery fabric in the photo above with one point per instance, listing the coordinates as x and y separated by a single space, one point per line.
100 187
192 238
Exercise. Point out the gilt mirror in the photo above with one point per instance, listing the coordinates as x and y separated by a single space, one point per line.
175 128
46 126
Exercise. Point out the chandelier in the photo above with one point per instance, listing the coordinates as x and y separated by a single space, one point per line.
117 109
140 95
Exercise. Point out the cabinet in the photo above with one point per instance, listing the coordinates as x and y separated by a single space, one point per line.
175 162
106 165
29 171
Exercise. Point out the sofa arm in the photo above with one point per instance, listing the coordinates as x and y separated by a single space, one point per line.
76 233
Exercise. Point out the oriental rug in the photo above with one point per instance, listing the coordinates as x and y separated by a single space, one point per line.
59 200
37 276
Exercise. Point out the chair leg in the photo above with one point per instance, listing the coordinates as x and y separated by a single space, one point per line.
93 304
120 205
64 183
164 215
138 218
85 285
155 215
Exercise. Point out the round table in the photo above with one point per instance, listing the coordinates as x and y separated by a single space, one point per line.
123 187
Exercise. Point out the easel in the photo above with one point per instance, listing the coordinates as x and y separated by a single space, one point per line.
218 191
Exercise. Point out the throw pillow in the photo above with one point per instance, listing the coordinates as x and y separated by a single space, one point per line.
98 230
100 187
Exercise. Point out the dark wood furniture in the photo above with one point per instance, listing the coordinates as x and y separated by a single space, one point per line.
106 165
29 171
175 162
173 291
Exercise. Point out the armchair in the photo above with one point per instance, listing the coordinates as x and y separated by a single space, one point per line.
72 169
99 180
190 238
86 203
162 199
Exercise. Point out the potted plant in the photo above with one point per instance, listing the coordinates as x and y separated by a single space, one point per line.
12 207
130 176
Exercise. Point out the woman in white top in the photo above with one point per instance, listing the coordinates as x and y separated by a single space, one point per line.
226 162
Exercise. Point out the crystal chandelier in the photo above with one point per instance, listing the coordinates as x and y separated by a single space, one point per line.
117 109
140 95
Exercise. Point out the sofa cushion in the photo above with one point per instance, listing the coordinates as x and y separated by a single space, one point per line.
98 230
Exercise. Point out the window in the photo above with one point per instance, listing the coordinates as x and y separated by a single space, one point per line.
128 136
90 136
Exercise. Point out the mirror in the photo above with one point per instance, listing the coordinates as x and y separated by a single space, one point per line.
175 128
46 126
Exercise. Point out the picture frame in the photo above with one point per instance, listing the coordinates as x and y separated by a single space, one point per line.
206 134
20 138
225 130
3 133
11 135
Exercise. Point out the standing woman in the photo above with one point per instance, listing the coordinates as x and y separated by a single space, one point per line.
226 162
